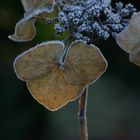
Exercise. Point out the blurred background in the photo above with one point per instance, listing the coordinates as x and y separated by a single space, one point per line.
113 104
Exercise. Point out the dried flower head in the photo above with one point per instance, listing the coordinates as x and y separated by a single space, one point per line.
58 72
90 19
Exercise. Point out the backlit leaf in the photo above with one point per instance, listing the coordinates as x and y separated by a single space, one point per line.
129 39
85 63
53 86
39 61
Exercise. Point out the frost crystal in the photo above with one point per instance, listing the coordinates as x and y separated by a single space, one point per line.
88 19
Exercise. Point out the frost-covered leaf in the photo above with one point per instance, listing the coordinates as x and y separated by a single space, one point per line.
39 61
129 39
83 63
53 86
53 91
24 31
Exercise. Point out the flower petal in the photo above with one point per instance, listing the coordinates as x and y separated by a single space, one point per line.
131 35
53 91
129 39
39 61
24 31
134 56
84 64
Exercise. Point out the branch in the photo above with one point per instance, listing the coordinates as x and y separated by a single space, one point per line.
82 115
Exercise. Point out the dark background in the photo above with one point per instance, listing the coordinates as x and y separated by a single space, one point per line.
113 104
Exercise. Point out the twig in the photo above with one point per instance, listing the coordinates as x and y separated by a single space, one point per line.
82 115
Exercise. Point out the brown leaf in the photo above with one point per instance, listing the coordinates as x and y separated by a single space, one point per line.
24 31
129 39
48 83
85 63
38 61
53 91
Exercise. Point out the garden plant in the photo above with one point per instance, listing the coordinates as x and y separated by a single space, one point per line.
60 71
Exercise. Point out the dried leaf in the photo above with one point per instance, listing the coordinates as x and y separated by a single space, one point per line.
39 61
24 31
85 64
53 91
48 83
129 39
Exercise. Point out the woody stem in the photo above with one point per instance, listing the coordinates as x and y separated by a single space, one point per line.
82 115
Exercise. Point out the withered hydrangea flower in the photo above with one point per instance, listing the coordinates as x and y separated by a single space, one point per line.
54 82
55 75
58 72
129 39
88 20
25 29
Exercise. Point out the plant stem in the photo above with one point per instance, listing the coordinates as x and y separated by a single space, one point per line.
82 115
